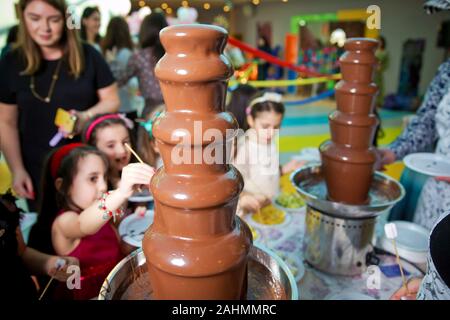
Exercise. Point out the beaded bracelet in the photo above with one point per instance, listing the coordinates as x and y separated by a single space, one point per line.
108 213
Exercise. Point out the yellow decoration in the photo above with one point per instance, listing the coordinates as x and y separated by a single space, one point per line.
286 83
5 177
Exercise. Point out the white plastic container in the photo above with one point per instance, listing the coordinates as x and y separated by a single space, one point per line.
412 242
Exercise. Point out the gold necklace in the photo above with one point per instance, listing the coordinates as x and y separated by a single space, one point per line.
52 85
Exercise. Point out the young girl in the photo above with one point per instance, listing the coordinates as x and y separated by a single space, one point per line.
117 45
109 133
142 63
146 143
76 210
257 156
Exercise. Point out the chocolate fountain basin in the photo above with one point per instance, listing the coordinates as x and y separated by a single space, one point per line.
384 193
269 278
339 237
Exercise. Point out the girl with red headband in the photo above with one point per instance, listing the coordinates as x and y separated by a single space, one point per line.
109 133
76 212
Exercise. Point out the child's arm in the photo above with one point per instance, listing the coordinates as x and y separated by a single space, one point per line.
40 263
92 219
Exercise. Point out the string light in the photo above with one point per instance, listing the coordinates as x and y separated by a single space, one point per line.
226 8
255 2
169 10
284 1
164 6
206 6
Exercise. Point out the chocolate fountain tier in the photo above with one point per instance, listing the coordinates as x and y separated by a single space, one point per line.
348 172
384 193
355 98
356 131
269 278
358 62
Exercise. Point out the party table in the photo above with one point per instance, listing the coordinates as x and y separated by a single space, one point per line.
286 239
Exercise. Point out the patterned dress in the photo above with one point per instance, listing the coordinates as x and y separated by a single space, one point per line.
429 126
433 286
140 65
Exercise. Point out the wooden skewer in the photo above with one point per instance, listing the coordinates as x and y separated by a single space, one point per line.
137 157
46 287
401 268
59 265
133 152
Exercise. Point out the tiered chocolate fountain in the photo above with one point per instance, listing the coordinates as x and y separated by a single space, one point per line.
348 159
344 194
197 248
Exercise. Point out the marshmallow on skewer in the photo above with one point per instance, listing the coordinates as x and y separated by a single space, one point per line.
390 229
60 263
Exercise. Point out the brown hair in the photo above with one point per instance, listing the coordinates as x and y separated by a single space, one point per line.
117 35
52 201
87 13
145 141
149 34
72 48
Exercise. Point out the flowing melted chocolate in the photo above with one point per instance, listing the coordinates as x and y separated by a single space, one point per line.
348 159
196 248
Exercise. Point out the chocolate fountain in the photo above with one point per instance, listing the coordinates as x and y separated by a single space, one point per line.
344 194
197 248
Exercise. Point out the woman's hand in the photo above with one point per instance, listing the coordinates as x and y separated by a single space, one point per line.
384 157
57 267
82 118
110 55
23 185
413 285
134 174
292 165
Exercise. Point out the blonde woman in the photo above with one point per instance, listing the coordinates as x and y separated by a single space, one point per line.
48 69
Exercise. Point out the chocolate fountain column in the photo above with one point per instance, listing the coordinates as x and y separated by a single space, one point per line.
196 248
348 159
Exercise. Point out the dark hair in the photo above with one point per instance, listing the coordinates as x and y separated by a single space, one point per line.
149 34
240 100
103 124
145 143
382 42
52 201
277 107
87 12
12 34
117 35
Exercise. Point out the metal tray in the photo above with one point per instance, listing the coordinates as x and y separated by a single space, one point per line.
384 193
269 278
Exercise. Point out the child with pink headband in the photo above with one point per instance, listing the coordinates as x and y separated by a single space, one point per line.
109 133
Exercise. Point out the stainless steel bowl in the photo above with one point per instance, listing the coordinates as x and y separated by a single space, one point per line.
384 193
269 278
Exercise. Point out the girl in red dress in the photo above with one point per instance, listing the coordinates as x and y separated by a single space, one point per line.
76 211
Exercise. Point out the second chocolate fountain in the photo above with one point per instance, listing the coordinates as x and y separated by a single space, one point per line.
345 194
